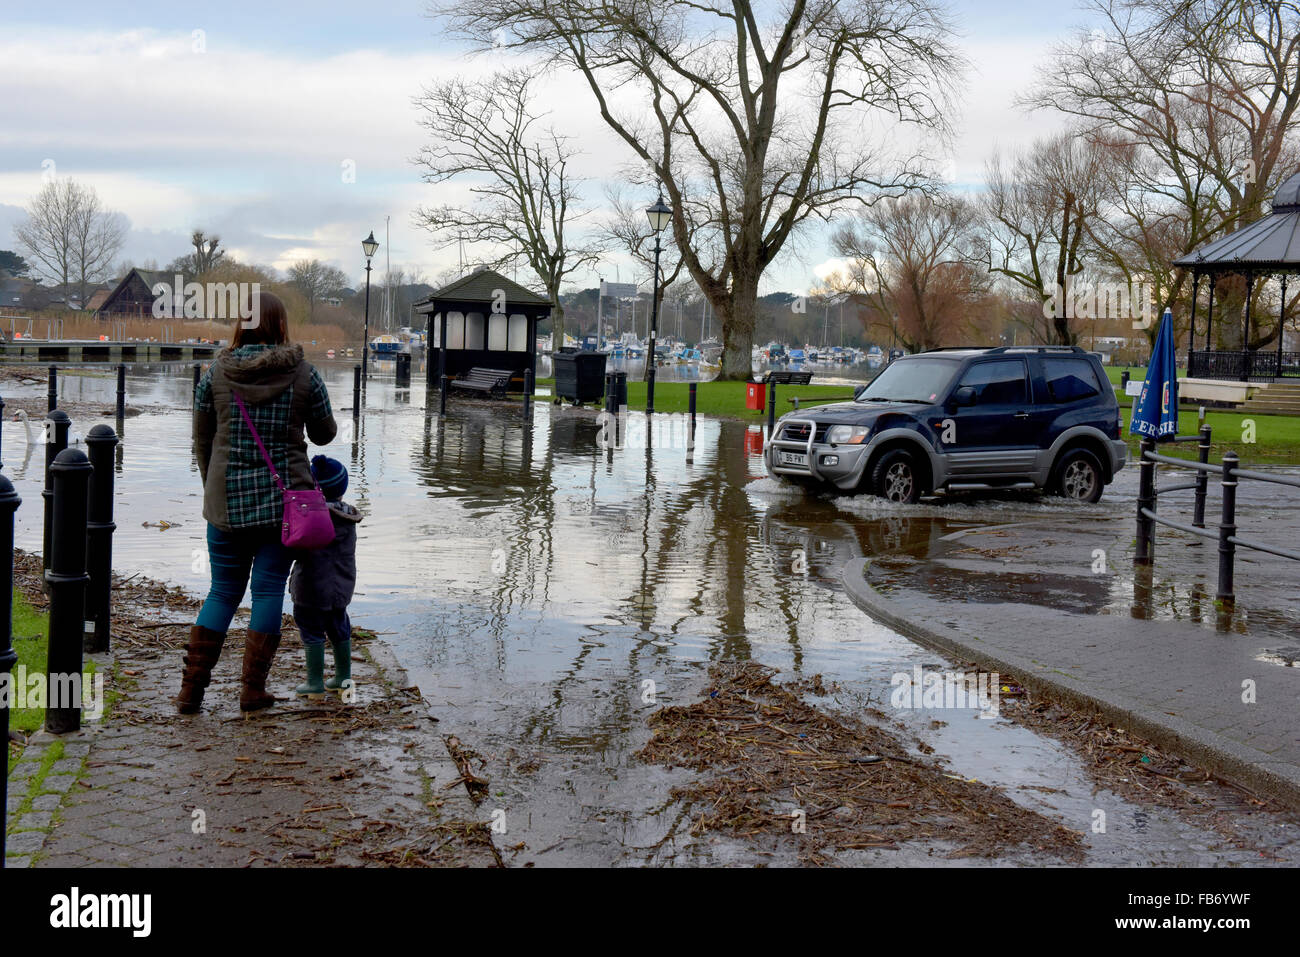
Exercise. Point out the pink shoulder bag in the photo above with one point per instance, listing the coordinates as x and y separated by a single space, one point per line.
307 523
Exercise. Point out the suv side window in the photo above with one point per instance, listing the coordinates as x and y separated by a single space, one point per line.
1069 379
999 382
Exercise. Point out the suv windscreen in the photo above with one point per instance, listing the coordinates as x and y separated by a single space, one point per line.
911 380
999 382
1070 379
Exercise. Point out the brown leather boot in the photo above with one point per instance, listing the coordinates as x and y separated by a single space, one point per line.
200 655
259 652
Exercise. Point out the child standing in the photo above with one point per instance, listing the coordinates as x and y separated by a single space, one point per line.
321 586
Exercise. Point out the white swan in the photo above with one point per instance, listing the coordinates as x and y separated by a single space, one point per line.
21 416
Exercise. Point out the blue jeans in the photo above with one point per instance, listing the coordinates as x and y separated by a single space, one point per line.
233 556
317 624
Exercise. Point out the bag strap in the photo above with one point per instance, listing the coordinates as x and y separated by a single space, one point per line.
262 448
258 439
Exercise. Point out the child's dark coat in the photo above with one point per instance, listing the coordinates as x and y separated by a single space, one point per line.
325 577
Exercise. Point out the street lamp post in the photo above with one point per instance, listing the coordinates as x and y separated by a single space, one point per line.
659 216
368 246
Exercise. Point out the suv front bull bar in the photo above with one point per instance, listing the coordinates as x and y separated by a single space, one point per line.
775 445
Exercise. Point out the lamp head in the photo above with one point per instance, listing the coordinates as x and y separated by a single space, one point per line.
660 214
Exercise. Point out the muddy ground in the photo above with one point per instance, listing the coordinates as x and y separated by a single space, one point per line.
305 783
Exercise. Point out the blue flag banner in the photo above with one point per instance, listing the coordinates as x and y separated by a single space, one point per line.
1155 413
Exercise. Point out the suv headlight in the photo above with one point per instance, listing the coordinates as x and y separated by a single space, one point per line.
847 434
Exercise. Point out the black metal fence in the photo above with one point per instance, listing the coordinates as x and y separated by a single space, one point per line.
1242 366
1226 534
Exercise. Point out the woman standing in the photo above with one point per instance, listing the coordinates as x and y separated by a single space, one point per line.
287 402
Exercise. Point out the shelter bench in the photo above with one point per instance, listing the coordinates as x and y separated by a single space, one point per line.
487 381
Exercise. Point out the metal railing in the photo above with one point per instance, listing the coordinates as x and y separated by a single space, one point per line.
1238 365
25 327
1226 535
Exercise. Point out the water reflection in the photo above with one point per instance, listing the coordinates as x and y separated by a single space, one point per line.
548 594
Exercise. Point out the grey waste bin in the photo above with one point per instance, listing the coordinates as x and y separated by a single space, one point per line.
579 376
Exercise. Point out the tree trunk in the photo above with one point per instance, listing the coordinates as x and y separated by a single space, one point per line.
557 324
739 315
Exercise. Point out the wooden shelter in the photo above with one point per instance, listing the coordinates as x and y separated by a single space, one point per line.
482 320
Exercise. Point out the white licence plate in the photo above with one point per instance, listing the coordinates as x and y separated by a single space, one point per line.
794 458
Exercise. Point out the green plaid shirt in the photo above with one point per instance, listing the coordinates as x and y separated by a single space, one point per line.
252 498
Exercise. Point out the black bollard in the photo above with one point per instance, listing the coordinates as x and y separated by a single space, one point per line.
99 537
1146 501
1202 478
2 420
54 432
194 392
1228 530
528 395
66 580
690 436
356 392
52 396
121 393
771 407
9 502
442 398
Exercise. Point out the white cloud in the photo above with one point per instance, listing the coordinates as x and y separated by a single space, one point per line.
249 142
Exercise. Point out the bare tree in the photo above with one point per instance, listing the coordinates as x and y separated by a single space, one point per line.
911 258
1040 211
315 280
524 200
751 128
1202 96
70 237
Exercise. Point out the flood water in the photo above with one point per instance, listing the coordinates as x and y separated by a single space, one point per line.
547 595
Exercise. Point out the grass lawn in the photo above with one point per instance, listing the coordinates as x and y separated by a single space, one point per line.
1135 373
1277 437
31 641
720 399
29 635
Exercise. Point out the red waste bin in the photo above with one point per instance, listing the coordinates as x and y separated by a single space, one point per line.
756 396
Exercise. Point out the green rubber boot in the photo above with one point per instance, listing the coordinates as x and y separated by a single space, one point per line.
313 687
342 666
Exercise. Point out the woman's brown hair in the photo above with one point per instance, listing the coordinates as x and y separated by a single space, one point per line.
269 324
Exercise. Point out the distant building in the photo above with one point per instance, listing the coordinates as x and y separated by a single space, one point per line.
97 300
132 297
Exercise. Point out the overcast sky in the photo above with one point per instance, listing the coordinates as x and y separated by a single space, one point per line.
245 128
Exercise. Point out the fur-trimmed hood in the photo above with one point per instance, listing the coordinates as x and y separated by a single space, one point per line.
261 372
344 512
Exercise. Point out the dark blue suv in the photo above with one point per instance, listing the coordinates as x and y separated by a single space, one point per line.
1015 417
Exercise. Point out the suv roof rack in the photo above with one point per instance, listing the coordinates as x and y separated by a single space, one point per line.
1011 349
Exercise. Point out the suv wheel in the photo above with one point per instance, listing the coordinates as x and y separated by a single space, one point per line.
895 477
1078 476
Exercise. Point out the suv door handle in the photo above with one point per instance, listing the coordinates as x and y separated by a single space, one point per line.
1022 415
